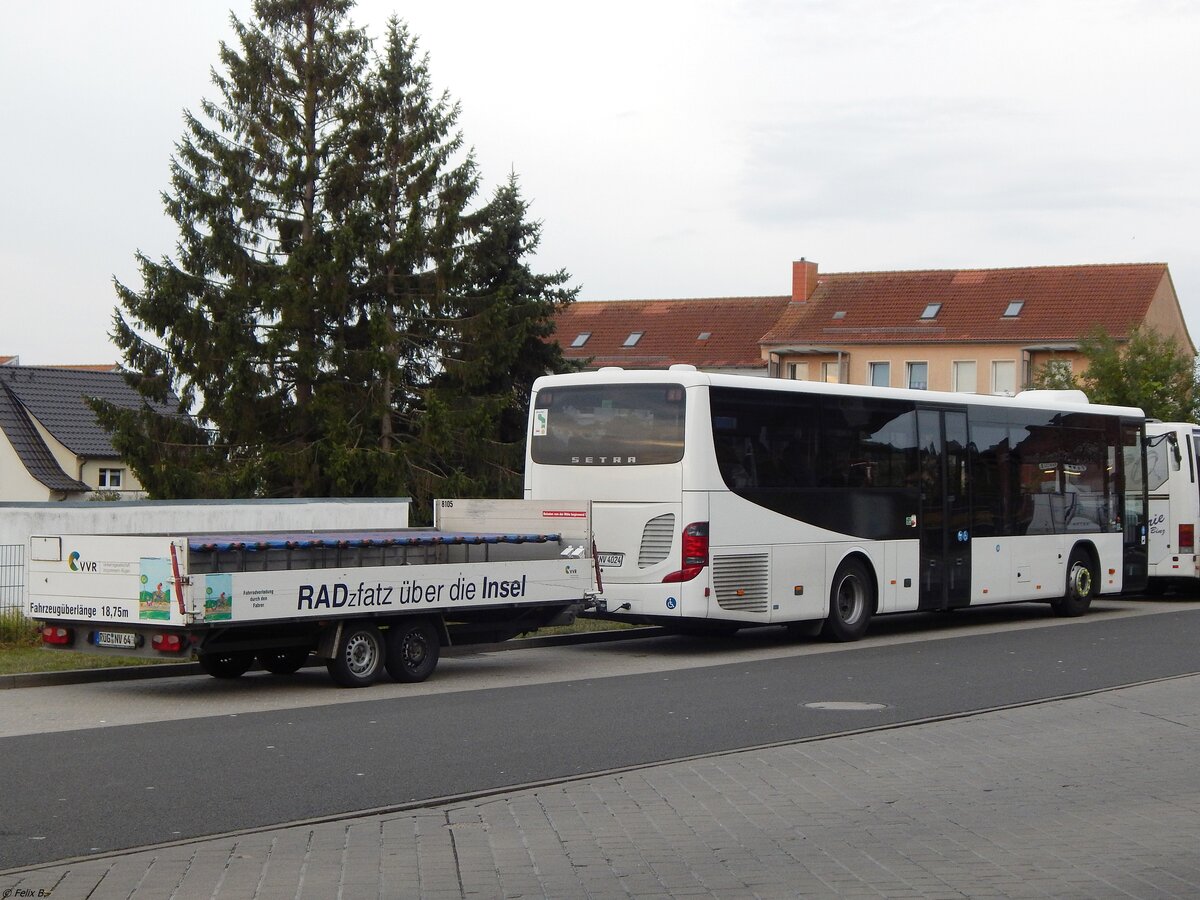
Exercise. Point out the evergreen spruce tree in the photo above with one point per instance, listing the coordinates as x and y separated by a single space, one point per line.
500 344
411 182
241 322
336 320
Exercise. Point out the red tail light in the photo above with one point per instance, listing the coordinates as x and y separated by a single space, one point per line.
166 643
1187 538
695 552
52 634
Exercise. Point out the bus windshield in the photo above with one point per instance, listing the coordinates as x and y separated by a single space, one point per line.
601 425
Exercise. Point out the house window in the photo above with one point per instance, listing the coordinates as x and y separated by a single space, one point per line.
704 335
797 371
111 479
964 376
918 375
880 374
1013 309
581 339
633 338
829 372
1004 377
931 311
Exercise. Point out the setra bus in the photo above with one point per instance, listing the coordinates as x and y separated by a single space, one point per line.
1173 482
724 501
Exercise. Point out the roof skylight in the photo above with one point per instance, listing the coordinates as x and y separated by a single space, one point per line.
1013 309
931 311
581 339
633 338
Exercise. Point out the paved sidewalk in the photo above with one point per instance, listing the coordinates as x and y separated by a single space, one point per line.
1097 796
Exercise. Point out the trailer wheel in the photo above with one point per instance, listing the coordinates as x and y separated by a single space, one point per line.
283 662
851 603
1081 586
225 665
359 657
412 651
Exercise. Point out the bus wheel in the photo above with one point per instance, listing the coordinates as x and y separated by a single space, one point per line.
412 651
851 602
1081 587
283 662
359 657
225 665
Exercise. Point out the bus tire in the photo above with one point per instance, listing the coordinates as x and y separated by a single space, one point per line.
359 656
225 665
851 603
1081 586
286 661
413 649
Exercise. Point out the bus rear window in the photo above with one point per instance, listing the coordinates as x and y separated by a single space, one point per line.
608 425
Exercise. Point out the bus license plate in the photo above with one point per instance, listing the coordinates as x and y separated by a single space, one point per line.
611 559
115 639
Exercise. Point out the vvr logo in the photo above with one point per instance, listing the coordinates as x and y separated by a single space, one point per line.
78 565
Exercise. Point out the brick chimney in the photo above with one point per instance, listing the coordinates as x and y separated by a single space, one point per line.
804 280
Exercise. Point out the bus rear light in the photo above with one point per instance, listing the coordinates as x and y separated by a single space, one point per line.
1187 538
695 553
52 634
167 643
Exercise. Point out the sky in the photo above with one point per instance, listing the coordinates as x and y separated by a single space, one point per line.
669 148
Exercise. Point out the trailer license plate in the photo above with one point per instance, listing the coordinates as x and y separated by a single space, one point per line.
115 639
611 559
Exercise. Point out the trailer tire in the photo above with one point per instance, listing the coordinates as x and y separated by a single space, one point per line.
287 661
851 603
358 659
413 649
225 665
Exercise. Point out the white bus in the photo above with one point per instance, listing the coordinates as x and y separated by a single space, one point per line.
722 501
1174 486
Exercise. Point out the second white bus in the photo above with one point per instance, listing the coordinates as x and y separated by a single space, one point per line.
1173 482
723 501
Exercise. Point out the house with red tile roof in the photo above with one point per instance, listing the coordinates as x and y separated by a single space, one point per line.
717 335
974 330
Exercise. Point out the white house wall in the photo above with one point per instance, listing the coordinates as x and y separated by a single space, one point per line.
15 481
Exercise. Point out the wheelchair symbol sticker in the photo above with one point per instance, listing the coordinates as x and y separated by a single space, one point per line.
672 603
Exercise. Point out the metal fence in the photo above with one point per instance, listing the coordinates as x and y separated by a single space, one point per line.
12 579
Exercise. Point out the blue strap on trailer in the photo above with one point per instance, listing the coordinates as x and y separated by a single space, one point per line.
221 543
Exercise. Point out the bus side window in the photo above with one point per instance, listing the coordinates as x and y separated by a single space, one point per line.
730 462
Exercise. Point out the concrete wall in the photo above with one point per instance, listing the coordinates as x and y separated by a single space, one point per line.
181 517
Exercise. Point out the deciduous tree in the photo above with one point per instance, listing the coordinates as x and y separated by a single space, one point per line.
1149 371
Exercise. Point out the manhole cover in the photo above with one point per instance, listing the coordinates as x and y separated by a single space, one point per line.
844 705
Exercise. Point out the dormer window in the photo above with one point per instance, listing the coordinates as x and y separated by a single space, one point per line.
633 338
931 311
1013 309
581 339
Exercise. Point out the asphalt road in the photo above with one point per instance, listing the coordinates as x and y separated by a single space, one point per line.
87 790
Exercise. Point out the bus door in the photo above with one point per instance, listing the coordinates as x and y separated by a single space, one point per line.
945 520
1136 512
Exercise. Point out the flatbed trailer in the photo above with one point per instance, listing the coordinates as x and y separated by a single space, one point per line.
362 601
